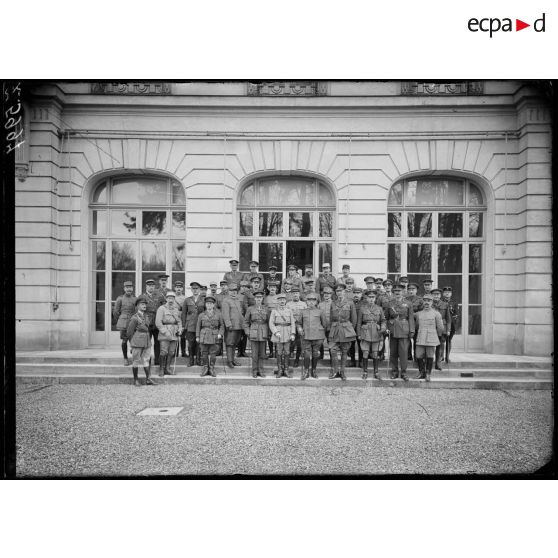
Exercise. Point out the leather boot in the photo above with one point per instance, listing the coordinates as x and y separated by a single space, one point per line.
162 365
429 363
277 370
169 368
334 366
375 365
290 368
306 368
404 375
135 372
148 380
313 372
230 351
212 372
343 365
438 356
364 368
421 367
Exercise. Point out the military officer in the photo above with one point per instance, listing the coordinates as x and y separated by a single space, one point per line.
254 273
282 327
246 298
213 288
371 324
192 308
379 282
325 305
180 298
429 329
447 293
404 282
345 271
162 288
309 276
355 345
293 279
296 305
383 299
416 302
224 286
233 311
169 324
257 330
350 284
274 278
342 330
401 327
154 299
233 276
288 288
309 284
443 308
138 333
369 282
270 302
311 329
124 309
326 279
427 286
210 329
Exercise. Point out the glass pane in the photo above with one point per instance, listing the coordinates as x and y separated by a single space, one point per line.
325 254
475 320
475 258
271 223
246 223
300 224
288 191
419 224
475 289
113 320
419 258
475 224
99 223
100 193
123 223
149 275
418 279
270 253
99 249
154 223
450 192
100 316
394 258
325 197
326 224
244 255
153 256
450 225
178 276
124 256
396 194
459 321
117 284
147 191
178 250
178 195
394 224
450 258
179 223
247 196
434 192
100 285
475 195
453 281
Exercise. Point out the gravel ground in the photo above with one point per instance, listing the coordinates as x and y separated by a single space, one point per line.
76 430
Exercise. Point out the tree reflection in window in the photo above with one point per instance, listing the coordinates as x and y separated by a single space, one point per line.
99 255
300 224
326 224
394 258
178 223
123 222
123 256
271 223
419 224
394 224
450 225
178 249
450 258
475 224
419 258
154 223
246 224
153 256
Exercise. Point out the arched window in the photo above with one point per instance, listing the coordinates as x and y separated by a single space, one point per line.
436 228
138 231
285 220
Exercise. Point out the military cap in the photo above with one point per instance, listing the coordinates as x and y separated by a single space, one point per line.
209 298
292 266
256 279
150 282
402 285
170 293
434 291
325 265
412 285
308 266
195 284
258 293
369 279
281 295
233 262
427 281
272 267
427 296
213 283
350 280
203 287
357 290
403 280
340 286
346 266
309 280
178 283
387 282
141 299
128 284
233 287
448 289
254 262
378 281
164 276
369 292
312 296
244 283
295 289
397 288
221 283
327 290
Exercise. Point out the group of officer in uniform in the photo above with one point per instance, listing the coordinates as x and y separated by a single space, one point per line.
298 317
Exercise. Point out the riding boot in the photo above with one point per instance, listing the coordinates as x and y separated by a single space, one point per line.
230 357
148 380
364 368
183 347
438 356
313 372
375 366
343 365
135 372
404 375
422 371
334 366
282 366
212 360
127 361
277 371
169 368
290 368
306 368
429 362
162 364
448 350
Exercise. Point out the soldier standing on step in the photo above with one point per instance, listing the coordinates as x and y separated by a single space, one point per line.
124 309
342 331
233 276
355 345
257 330
233 315
209 332
326 279
296 305
447 293
273 278
169 324
416 302
138 333
443 308
154 300
180 298
282 326
429 328
325 305
311 329
384 299
192 308
371 325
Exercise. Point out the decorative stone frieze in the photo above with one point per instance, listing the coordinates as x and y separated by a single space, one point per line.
436 88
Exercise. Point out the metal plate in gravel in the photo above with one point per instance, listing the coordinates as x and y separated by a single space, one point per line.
160 411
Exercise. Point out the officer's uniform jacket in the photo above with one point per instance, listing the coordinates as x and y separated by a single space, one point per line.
168 322
343 279
138 322
343 321
312 324
370 322
233 277
255 323
312 285
219 300
249 299
233 313
416 302
179 299
296 281
124 309
297 308
208 327
282 320
454 313
326 307
400 319
270 301
289 296
323 282
250 276
443 308
191 309
276 280
153 302
384 300
430 327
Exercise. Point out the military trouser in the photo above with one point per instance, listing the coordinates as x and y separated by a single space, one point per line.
154 334
354 350
242 343
209 355
295 348
440 351
398 347
168 352
193 348
425 351
382 349
257 349
183 343
337 347
311 348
